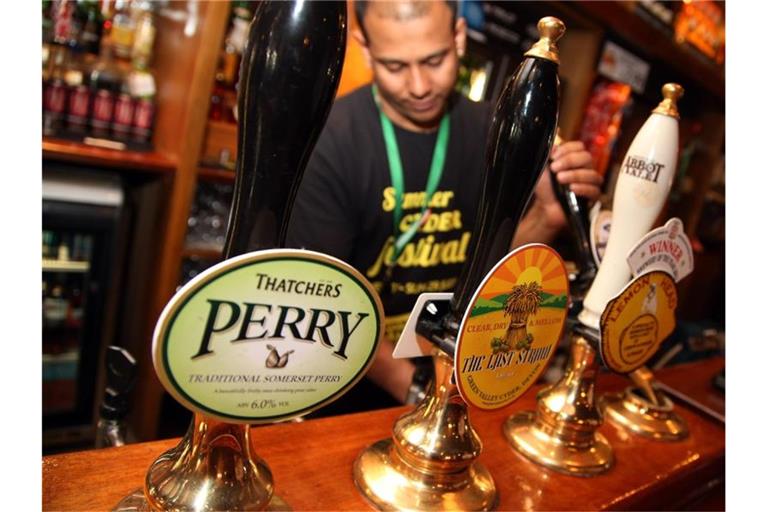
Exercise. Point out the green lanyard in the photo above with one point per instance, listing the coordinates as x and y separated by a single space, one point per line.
396 173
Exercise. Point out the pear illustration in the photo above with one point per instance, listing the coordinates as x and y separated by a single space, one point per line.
275 360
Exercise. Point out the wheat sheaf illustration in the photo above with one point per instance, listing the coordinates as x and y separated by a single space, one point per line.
523 300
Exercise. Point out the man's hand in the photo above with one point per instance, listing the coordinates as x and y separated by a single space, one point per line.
572 165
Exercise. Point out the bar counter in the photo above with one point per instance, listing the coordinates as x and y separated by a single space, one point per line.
312 461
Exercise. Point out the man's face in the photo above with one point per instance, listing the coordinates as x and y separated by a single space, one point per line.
413 51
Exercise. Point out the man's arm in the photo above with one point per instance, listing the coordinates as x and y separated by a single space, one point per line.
572 165
392 375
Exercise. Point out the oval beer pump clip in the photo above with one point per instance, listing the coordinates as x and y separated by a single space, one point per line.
211 346
562 433
430 463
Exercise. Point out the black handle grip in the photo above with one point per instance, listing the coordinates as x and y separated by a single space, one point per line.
521 135
121 375
289 74
577 213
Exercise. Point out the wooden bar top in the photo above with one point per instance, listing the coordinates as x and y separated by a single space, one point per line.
312 461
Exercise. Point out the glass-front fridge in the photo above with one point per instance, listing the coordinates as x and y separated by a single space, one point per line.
82 216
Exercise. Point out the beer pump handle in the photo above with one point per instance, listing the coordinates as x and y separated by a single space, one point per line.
121 376
577 212
520 137
644 180
286 89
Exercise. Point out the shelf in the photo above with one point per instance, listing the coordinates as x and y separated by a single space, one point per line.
217 174
621 21
77 152
220 142
204 253
66 266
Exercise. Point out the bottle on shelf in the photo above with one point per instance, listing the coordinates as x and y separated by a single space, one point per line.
63 36
141 84
96 73
80 245
144 35
224 96
55 90
122 117
74 318
48 244
92 25
141 80
55 307
105 81
78 93
47 30
65 30
123 28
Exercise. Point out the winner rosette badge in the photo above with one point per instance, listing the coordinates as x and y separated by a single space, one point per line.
512 327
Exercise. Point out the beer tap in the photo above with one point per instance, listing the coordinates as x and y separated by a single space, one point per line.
577 213
430 461
289 75
562 433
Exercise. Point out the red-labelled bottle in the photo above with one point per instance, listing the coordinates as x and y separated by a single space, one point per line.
55 91
105 82
78 94
122 116
141 84
65 32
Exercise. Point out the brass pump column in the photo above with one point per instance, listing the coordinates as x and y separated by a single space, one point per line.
562 433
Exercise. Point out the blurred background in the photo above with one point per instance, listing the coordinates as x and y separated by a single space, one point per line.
139 144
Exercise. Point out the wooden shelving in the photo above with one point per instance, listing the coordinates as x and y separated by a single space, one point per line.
220 143
216 174
204 253
184 61
70 266
619 19
77 152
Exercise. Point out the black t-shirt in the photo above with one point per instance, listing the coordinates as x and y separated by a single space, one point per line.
344 205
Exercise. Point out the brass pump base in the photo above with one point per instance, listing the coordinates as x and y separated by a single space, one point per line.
562 433
214 467
633 412
390 483
548 450
429 463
